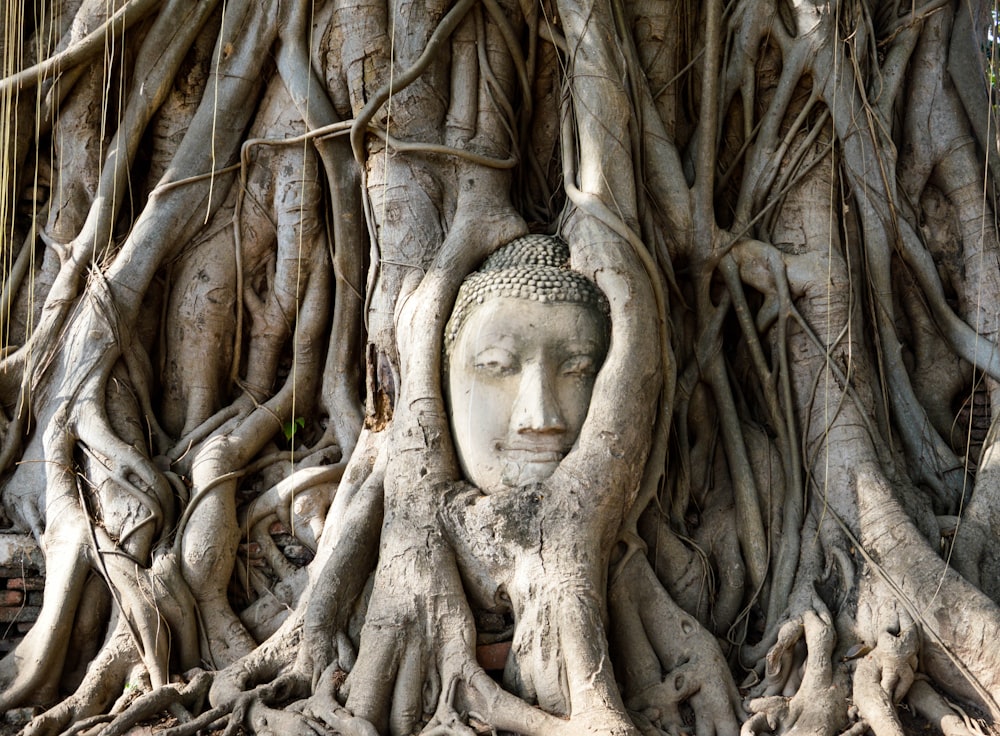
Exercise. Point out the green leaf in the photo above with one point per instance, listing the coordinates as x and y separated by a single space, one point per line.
291 427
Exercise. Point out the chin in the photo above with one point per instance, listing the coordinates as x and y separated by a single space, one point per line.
523 474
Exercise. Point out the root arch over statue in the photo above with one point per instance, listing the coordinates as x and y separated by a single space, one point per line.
600 367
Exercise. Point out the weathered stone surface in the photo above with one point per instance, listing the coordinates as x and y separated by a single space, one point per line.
22 580
20 554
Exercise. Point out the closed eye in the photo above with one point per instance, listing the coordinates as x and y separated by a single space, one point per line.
496 362
579 365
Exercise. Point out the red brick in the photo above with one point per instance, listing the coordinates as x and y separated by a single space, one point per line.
11 598
8 571
493 656
26 583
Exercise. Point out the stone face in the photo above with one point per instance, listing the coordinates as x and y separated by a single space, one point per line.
519 382
524 343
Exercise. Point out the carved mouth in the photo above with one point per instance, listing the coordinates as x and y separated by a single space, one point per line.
524 465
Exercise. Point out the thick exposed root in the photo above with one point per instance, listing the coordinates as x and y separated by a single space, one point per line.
410 642
668 661
178 699
300 501
948 717
883 677
30 672
818 704
688 135
106 679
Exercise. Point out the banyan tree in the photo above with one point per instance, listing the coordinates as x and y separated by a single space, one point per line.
471 367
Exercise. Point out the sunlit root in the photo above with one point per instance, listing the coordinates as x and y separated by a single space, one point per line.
819 705
29 673
178 698
413 637
417 656
208 534
667 658
105 680
300 502
884 676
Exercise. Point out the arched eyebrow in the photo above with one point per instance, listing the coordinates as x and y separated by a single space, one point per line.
581 346
487 338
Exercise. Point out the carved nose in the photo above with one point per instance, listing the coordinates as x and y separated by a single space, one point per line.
537 408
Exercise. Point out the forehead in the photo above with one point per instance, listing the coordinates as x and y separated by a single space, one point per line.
522 323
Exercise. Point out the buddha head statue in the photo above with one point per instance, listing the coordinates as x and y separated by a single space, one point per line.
523 346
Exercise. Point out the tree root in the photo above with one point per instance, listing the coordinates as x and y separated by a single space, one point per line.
105 679
667 658
189 696
253 708
300 502
935 708
31 670
818 706
884 676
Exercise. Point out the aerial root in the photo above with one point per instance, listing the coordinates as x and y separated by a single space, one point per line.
818 706
884 676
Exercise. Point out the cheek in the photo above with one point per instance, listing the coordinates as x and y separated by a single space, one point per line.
481 414
574 401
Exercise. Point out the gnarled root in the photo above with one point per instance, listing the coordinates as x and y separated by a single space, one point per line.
416 666
884 676
818 706
105 679
667 658
559 655
178 698
932 705
416 637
